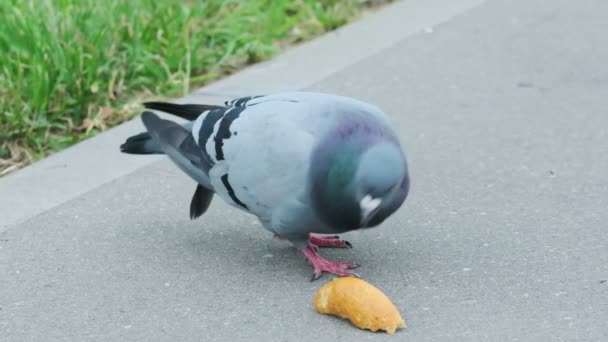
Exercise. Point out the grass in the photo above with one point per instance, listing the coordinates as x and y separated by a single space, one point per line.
72 68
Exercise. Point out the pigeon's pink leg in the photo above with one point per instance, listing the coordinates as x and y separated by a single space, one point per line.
328 241
321 265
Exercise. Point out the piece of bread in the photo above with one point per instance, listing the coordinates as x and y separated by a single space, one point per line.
360 302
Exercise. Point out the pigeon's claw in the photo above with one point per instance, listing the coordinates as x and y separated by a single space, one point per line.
328 241
321 265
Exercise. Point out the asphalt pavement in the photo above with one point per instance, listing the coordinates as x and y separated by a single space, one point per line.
502 107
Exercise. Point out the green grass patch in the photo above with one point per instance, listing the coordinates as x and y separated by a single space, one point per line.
71 68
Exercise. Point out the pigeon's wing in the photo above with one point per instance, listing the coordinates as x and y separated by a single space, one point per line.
259 152
178 144
184 111
242 101
290 96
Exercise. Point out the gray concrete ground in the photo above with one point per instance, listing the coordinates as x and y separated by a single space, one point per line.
503 110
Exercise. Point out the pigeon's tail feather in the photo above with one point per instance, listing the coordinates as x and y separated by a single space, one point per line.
178 144
141 143
184 111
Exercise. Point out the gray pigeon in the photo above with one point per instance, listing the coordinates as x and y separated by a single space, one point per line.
308 165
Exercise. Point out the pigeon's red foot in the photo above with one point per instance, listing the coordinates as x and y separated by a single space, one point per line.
321 265
328 241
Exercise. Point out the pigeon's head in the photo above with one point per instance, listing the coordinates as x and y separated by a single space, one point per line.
361 185
380 183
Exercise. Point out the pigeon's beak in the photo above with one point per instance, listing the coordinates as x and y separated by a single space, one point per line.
369 206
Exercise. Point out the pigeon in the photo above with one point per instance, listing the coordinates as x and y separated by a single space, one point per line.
308 165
